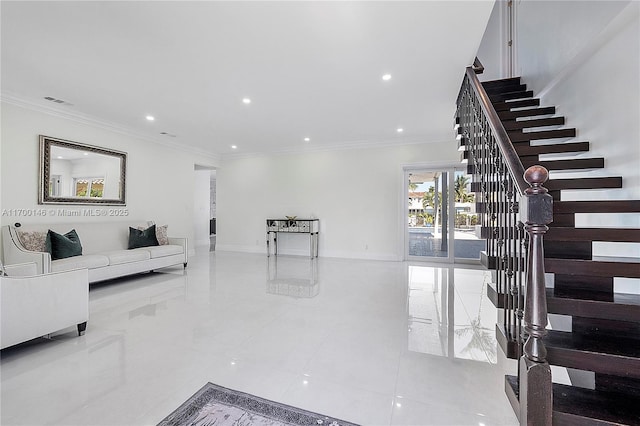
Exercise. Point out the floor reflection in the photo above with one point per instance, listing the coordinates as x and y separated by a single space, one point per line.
448 315
293 276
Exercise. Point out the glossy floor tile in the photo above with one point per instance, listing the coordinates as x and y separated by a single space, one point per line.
375 343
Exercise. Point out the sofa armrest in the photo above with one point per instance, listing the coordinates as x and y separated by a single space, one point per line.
21 269
15 253
34 306
180 242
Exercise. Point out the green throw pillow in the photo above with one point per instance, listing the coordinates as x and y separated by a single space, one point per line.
63 246
142 238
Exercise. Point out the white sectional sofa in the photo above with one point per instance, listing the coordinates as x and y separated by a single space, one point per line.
104 250
33 305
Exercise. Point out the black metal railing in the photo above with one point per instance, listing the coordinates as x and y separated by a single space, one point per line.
515 210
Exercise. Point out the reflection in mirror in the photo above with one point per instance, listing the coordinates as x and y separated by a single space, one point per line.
80 174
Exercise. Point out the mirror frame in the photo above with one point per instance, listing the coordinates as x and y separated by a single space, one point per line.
46 142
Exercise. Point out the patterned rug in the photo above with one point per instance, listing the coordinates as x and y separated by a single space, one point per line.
215 405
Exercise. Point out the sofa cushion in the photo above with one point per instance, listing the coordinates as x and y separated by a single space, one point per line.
142 238
63 246
118 257
33 240
78 262
161 251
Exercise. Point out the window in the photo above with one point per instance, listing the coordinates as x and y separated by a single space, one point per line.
88 187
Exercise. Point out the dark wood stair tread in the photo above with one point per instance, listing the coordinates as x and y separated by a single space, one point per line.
520 136
538 122
498 298
584 183
511 81
574 164
525 150
508 88
505 96
529 112
592 304
506 337
592 234
601 267
519 103
602 354
574 405
585 407
604 206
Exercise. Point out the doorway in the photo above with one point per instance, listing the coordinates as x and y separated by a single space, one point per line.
204 208
441 220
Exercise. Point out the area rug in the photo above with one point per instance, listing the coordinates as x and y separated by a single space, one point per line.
215 405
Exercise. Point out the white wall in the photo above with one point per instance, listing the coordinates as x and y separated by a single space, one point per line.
492 49
160 179
584 58
356 193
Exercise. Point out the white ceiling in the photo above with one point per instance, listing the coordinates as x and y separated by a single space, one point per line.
311 69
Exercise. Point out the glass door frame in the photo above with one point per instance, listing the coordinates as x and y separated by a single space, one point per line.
451 170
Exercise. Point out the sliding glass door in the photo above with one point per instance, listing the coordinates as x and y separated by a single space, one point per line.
440 216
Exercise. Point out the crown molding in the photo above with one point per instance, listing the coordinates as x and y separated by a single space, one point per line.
92 121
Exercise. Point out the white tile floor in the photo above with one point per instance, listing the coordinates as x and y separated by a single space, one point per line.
375 343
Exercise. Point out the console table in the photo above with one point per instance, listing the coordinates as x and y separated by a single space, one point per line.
295 226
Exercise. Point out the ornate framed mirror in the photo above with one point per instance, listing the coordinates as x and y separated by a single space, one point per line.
75 173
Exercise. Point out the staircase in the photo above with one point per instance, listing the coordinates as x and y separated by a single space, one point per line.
604 335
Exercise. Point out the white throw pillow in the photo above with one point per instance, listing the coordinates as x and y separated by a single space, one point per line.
33 240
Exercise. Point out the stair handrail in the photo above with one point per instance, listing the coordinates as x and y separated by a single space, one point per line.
535 212
512 160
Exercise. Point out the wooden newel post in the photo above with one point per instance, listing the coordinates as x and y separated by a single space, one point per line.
535 374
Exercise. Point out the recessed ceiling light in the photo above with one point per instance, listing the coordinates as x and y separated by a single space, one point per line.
150 117
246 101
307 139
399 130
234 147
59 157
386 77
86 153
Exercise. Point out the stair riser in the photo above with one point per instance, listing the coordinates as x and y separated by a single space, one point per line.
601 363
586 234
592 309
620 385
568 250
565 220
581 282
599 269
609 206
605 327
